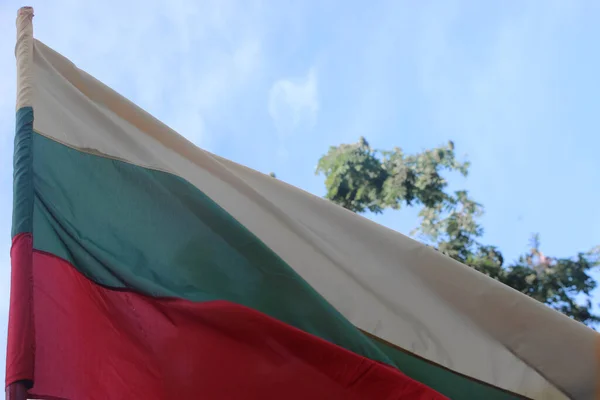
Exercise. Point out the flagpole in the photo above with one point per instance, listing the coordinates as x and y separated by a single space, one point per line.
24 55
16 391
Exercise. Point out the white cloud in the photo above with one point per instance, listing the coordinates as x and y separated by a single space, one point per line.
294 104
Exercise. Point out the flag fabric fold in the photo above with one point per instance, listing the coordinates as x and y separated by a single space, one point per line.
145 267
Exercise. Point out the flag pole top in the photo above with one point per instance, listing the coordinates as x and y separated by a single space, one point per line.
26 10
24 56
24 18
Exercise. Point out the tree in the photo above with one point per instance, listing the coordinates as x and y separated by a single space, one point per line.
362 179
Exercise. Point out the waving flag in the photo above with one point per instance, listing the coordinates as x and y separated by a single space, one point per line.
146 268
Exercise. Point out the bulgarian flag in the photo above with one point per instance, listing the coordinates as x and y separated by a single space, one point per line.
146 268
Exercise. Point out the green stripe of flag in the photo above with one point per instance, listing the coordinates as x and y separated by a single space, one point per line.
126 226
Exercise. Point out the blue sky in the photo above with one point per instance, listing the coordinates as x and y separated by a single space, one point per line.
273 84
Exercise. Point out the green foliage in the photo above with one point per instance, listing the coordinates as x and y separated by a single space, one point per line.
354 176
361 179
